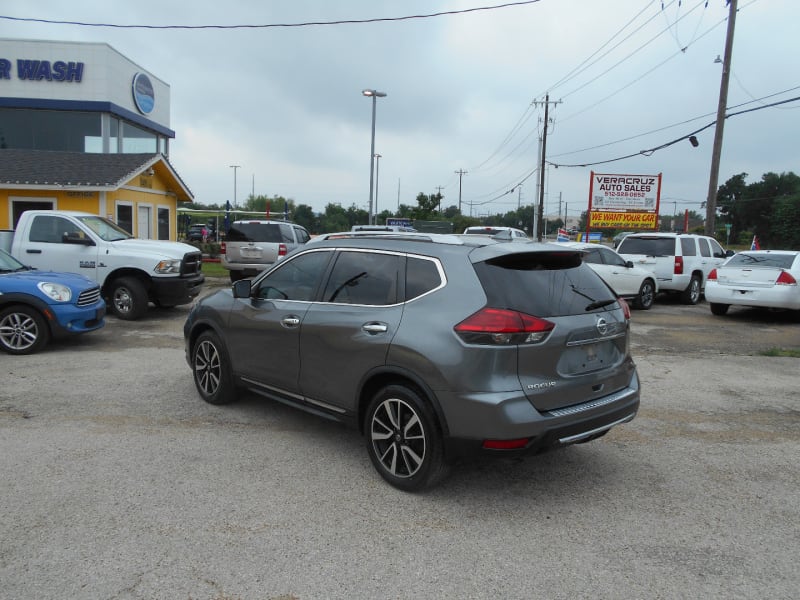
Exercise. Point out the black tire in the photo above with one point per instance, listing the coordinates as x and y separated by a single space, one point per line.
128 298
719 309
211 370
23 330
647 295
691 295
403 439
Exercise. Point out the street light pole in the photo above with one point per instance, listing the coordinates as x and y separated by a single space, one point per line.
377 180
374 94
235 167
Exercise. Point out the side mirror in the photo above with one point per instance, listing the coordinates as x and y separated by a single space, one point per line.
629 264
76 237
241 289
729 253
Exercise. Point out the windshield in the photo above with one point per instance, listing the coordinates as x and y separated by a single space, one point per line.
9 263
105 229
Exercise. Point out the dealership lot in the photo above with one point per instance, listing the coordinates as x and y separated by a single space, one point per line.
119 482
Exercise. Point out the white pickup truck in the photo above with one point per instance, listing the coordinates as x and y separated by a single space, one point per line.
131 272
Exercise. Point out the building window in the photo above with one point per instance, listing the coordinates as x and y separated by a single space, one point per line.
28 129
163 223
113 136
136 140
125 217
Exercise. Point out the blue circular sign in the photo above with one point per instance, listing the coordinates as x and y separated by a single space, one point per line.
143 94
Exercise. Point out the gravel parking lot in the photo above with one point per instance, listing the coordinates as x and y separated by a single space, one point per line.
119 482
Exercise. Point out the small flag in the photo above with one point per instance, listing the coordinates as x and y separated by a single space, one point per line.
755 245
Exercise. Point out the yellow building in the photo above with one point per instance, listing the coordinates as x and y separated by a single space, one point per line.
84 128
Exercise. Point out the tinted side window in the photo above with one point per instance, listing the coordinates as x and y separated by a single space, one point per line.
542 284
704 249
422 276
592 256
286 234
610 258
716 249
364 278
302 235
688 247
294 279
51 229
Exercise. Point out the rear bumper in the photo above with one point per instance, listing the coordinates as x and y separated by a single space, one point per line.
248 269
551 429
172 291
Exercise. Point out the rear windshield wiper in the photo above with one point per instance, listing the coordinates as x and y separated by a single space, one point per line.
600 304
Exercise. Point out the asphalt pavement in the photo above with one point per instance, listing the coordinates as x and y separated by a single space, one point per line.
119 482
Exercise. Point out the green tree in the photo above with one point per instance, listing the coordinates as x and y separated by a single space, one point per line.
304 216
334 219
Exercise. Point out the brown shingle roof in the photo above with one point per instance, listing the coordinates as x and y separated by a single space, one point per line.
39 168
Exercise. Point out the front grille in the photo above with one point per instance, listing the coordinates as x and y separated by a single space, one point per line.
89 297
192 263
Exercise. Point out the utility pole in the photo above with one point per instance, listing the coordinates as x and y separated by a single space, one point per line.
439 196
713 180
541 166
460 173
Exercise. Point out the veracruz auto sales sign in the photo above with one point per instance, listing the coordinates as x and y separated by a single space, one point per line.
624 201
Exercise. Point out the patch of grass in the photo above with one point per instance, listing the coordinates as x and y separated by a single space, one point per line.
214 269
781 352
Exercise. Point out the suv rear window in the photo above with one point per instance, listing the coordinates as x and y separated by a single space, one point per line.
649 246
260 232
542 284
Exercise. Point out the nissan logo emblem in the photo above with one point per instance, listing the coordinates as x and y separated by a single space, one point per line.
602 326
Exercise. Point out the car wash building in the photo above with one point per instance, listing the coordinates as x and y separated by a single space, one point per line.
82 127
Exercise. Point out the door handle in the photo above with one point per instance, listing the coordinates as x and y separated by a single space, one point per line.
33 251
375 328
291 321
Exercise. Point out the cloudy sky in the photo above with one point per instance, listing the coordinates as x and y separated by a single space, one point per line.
285 103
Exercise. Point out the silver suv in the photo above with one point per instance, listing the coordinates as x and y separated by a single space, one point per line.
252 245
680 262
435 346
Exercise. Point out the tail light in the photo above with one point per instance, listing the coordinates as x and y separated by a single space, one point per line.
222 248
502 327
678 265
785 278
626 308
713 275
282 250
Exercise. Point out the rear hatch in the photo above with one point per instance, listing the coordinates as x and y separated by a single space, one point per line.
652 252
253 242
585 355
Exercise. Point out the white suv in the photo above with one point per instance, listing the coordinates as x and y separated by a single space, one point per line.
680 262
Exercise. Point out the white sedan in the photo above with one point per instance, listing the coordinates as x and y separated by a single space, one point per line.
762 278
628 281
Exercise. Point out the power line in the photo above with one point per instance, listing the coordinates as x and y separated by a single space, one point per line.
276 25
651 151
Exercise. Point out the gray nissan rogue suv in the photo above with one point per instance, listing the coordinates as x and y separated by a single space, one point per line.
435 346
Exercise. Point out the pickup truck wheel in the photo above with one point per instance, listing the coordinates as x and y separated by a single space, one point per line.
647 295
211 369
691 295
22 330
128 298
